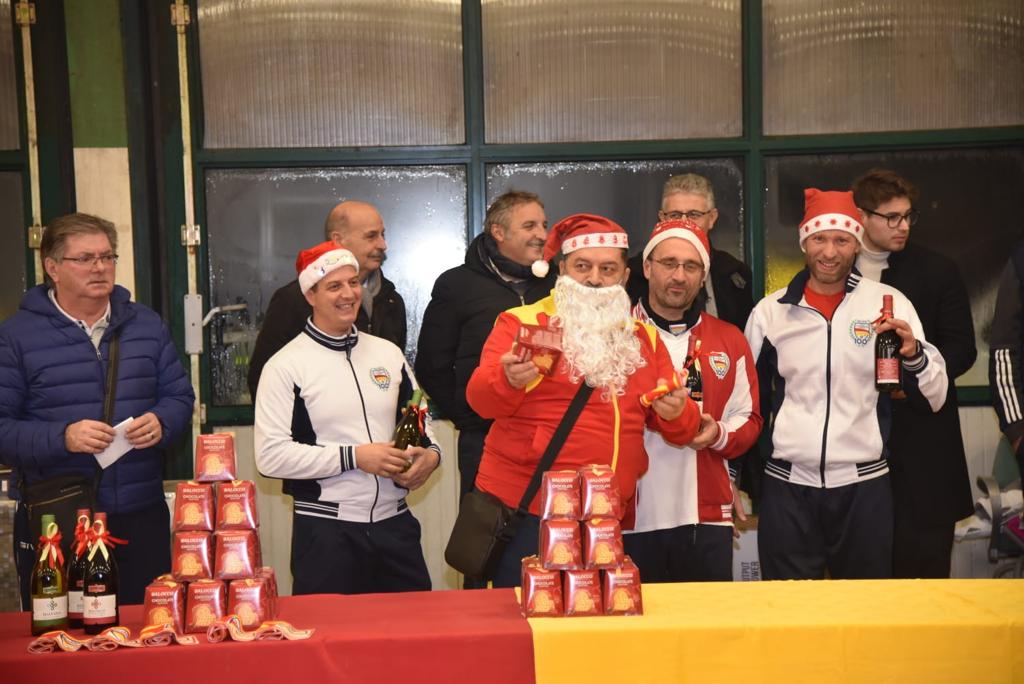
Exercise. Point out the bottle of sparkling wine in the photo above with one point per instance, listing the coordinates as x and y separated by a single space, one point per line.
888 369
76 567
99 595
49 589
694 381
409 432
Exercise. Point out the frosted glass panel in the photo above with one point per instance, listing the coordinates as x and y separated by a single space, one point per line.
9 139
12 244
258 220
970 211
331 73
583 70
627 192
840 67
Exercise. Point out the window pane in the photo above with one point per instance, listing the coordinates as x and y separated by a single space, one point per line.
9 139
331 73
260 219
970 206
12 244
583 70
626 192
840 67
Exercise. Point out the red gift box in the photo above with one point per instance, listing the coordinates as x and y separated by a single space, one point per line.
215 457
164 603
602 544
621 590
539 344
560 546
204 605
582 593
236 505
193 507
560 495
249 599
190 559
541 590
600 491
237 554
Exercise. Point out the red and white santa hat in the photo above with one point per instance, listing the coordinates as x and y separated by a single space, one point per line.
316 262
829 210
684 229
577 232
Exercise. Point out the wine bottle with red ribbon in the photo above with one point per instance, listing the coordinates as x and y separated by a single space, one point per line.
409 431
99 595
49 588
76 567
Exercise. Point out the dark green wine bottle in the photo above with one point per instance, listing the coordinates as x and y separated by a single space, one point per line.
407 432
49 588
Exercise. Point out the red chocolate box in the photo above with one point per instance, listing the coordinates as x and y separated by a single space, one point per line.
582 593
237 554
236 505
204 605
215 457
560 495
193 507
602 544
600 491
621 590
164 604
541 590
560 545
249 599
190 558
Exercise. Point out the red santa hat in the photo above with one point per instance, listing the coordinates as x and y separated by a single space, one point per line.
830 210
316 262
579 231
684 229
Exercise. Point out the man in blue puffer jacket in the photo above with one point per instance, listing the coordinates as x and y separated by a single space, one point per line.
53 368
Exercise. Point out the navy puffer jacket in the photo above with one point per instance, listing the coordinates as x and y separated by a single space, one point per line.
51 376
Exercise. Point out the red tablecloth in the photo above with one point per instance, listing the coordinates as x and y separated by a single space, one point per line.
443 636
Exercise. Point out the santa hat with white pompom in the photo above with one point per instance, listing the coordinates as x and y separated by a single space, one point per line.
578 232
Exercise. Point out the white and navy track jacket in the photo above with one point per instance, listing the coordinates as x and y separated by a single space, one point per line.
319 397
829 426
683 486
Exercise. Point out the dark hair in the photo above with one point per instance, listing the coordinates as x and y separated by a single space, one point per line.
878 186
56 235
501 208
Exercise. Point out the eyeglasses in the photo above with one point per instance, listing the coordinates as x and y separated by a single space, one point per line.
670 266
693 215
87 260
893 220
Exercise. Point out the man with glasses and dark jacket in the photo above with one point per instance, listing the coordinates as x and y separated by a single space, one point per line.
931 488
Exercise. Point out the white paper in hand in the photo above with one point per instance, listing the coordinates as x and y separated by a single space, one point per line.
118 448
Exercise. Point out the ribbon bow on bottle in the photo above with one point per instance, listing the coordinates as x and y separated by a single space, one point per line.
99 537
81 536
50 544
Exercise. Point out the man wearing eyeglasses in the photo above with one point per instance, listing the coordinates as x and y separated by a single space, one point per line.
727 288
54 357
683 508
931 488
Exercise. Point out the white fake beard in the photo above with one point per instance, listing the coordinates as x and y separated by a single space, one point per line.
598 341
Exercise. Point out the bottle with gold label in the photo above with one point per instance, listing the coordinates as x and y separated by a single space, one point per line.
99 594
49 587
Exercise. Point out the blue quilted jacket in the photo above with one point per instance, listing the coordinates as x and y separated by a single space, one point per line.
51 376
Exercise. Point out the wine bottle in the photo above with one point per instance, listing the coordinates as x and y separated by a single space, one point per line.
49 589
409 430
99 595
76 567
888 369
694 382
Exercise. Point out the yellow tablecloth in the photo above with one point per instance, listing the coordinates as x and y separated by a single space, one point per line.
906 631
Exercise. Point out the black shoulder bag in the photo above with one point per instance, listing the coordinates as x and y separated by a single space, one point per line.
63 495
485 525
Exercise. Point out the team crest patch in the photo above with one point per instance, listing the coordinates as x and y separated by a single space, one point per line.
861 332
719 362
381 377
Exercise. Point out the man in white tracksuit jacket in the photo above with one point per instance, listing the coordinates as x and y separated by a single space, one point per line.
827 501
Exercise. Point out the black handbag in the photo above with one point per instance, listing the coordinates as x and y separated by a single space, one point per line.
485 525
63 495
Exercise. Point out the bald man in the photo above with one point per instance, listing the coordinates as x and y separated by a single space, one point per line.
359 227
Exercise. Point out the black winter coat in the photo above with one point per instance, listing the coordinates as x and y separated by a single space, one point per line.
288 311
463 306
928 464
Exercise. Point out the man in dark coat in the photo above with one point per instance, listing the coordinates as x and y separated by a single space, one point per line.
54 356
359 228
464 304
931 488
727 292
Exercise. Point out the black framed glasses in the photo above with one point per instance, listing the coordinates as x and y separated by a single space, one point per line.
87 260
693 215
893 220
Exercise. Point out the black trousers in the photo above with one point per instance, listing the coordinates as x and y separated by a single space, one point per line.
341 557
146 555
804 531
920 549
688 553
471 448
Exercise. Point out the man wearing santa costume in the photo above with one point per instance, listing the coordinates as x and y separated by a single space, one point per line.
325 415
603 346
